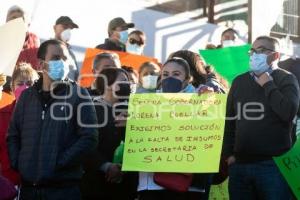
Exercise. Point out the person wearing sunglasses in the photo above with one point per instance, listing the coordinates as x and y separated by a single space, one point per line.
261 107
136 42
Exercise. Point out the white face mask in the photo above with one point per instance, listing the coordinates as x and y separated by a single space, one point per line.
66 35
149 82
134 49
228 43
258 63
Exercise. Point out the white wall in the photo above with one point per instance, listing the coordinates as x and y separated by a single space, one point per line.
165 33
264 15
263 21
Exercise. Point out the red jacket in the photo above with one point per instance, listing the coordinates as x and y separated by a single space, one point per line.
29 56
29 52
7 104
31 41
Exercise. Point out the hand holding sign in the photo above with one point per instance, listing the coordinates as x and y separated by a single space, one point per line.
203 89
114 174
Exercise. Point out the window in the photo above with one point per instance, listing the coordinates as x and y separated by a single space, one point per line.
288 21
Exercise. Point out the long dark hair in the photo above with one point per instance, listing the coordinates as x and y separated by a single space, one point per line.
196 64
107 77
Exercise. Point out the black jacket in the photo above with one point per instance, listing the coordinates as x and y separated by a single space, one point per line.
268 135
112 45
94 184
109 137
45 142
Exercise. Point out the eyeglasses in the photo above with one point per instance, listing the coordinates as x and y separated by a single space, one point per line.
260 50
133 41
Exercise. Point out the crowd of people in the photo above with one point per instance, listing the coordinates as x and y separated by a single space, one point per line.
58 140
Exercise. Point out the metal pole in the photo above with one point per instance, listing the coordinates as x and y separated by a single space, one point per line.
211 11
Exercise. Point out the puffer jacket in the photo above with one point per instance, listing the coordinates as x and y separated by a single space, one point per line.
45 141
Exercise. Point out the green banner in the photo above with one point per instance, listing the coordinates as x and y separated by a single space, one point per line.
219 192
229 62
289 165
174 133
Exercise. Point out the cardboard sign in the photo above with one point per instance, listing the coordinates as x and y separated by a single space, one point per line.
175 132
229 62
126 59
12 37
289 165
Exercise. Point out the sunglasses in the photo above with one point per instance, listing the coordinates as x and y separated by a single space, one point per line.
133 41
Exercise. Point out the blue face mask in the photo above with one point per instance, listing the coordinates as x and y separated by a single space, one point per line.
123 36
57 69
134 49
171 85
258 63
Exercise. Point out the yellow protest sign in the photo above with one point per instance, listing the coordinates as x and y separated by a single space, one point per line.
174 132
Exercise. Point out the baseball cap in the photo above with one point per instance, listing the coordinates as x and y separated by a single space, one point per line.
119 22
65 20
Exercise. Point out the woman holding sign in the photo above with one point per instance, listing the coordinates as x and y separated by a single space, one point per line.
175 78
103 178
206 80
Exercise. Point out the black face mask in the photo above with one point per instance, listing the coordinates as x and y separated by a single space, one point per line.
124 92
171 85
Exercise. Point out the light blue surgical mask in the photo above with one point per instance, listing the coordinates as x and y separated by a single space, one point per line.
134 49
123 36
57 69
258 63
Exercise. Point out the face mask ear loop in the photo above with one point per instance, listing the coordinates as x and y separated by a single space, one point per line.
44 70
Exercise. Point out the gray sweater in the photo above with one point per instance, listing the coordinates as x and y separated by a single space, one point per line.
265 132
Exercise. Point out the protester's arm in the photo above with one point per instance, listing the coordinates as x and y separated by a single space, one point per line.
88 136
112 170
14 133
284 101
229 131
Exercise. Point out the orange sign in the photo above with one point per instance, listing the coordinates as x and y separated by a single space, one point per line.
127 59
